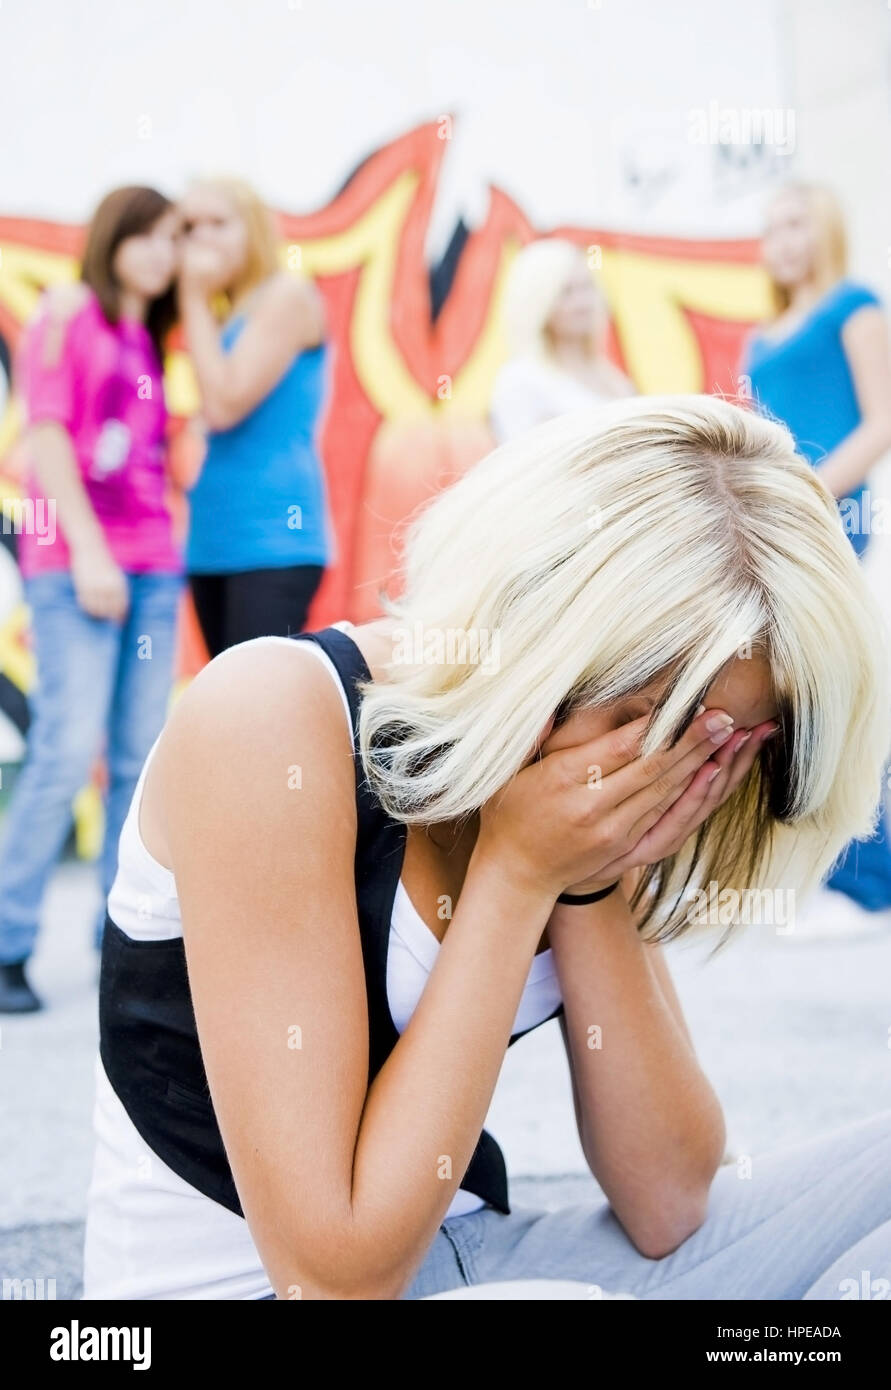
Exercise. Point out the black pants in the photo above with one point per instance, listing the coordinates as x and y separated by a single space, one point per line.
254 603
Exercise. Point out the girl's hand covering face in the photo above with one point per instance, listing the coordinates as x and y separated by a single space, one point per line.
579 816
706 790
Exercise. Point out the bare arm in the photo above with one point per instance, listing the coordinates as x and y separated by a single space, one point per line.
287 319
656 958
343 1186
866 344
48 447
51 455
659 966
650 1124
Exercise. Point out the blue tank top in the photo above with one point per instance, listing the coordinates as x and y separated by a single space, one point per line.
805 381
260 501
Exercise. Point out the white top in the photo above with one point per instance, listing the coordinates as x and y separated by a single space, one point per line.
530 390
149 1233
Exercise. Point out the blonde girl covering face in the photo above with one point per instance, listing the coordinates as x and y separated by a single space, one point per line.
647 545
683 681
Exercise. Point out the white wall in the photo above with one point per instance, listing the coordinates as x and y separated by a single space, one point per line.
838 60
579 108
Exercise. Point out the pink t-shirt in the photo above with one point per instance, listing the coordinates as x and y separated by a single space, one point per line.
104 383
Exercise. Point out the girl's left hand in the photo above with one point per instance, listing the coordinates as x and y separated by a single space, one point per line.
714 782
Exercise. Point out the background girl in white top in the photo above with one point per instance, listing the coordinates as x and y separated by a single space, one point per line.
555 321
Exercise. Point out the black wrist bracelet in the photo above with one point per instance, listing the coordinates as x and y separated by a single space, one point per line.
577 899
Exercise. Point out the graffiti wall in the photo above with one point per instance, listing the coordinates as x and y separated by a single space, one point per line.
416 352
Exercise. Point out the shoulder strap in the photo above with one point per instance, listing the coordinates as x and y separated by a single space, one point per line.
346 656
380 845
352 668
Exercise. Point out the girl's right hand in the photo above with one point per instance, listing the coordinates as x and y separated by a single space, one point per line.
202 270
99 583
575 811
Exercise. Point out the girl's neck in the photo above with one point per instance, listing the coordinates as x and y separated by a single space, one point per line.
240 296
133 305
803 297
573 354
449 836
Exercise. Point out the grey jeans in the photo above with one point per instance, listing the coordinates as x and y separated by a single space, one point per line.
812 1221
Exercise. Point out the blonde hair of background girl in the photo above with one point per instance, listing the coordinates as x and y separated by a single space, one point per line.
262 257
653 537
830 240
536 279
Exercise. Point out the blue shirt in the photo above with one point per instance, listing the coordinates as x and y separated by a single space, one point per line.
805 380
260 501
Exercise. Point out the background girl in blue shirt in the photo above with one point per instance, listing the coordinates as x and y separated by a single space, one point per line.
260 534
823 366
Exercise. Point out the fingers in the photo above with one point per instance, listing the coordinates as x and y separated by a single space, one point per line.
742 759
607 753
648 787
735 760
715 781
680 819
103 603
616 755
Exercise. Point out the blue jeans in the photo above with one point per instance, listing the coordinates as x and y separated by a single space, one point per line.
812 1221
100 683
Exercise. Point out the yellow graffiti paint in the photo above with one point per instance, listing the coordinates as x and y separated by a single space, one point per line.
89 822
25 271
16 659
648 295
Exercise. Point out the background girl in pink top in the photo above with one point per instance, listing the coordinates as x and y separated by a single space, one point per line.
101 571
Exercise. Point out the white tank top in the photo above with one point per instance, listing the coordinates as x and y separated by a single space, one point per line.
528 391
149 1233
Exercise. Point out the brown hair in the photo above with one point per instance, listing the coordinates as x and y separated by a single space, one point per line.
831 251
125 212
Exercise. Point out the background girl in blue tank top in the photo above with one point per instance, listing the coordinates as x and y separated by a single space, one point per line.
260 533
823 367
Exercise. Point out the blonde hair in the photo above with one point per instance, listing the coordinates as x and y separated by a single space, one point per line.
831 247
262 257
537 277
652 536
